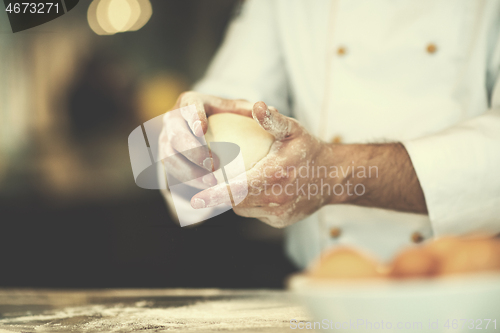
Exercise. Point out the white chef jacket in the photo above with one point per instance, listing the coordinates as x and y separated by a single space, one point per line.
421 72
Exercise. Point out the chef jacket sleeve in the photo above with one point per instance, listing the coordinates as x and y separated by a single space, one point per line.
459 168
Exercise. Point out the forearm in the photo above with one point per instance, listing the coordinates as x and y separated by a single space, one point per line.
382 174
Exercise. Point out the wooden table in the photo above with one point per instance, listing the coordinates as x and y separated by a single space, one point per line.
147 310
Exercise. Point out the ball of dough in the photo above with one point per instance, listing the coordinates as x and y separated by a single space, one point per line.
345 263
252 139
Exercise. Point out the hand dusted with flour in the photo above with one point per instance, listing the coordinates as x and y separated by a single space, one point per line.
183 132
273 196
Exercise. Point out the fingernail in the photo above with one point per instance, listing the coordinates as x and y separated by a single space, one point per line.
198 131
198 203
209 180
207 164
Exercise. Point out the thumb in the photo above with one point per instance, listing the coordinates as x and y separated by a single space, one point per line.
272 121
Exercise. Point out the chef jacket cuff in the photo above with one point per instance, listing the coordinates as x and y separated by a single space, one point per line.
458 173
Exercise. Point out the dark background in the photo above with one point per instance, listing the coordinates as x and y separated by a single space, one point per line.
70 213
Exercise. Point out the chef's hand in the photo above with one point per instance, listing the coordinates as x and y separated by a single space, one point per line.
183 131
275 191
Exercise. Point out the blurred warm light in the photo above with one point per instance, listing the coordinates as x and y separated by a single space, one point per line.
119 13
135 13
145 14
92 18
103 16
107 17
158 94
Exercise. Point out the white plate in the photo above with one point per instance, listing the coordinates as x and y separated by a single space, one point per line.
413 305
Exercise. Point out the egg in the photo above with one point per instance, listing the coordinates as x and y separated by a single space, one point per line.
345 263
444 256
443 247
415 262
472 255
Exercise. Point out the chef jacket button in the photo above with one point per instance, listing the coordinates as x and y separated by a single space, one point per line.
431 48
417 237
336 139
341 51
335 232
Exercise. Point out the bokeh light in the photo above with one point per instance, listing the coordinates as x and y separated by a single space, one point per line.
107 17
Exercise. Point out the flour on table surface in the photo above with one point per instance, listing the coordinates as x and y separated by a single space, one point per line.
262 313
